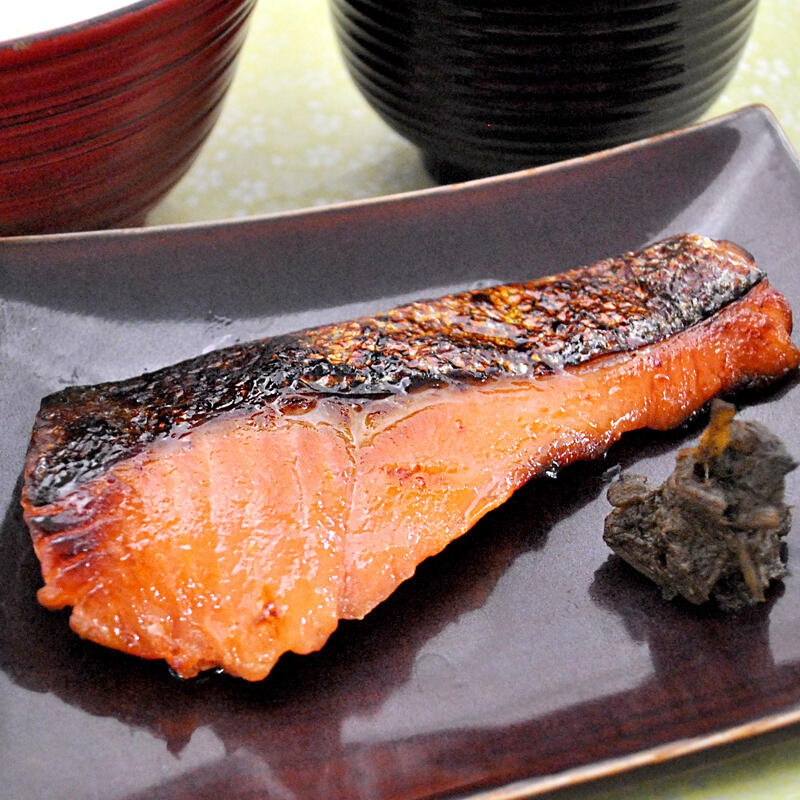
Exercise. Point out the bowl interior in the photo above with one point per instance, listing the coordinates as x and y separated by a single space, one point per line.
47 17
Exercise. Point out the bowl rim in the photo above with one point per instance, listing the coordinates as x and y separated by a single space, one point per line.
48 35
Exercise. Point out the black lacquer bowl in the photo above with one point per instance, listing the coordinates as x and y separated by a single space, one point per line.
487 87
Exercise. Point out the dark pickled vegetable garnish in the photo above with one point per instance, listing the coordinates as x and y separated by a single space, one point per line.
714 529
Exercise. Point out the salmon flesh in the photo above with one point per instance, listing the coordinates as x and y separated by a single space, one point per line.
235 506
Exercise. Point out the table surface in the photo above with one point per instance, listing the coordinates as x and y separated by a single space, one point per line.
295 133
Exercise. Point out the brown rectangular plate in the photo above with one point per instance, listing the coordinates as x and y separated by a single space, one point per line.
524 656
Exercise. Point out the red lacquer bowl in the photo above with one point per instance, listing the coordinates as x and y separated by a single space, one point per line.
98 120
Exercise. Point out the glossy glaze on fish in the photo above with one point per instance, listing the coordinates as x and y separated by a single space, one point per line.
227 509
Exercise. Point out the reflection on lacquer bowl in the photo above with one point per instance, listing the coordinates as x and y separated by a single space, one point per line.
100 116
487 86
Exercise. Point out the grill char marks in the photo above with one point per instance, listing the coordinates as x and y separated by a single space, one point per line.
530 329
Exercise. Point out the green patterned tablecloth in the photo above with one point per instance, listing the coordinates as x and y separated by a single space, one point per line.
295 133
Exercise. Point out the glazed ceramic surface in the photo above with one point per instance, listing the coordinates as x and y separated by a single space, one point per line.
525 651
98 120
484 87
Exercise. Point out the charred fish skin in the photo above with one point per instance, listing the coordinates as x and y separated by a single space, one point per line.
515 330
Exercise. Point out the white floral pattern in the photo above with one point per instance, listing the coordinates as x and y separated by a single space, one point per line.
294 132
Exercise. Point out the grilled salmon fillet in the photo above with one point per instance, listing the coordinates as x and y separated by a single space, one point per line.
230 508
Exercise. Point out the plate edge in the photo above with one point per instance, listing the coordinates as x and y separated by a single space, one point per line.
416 195
530 787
